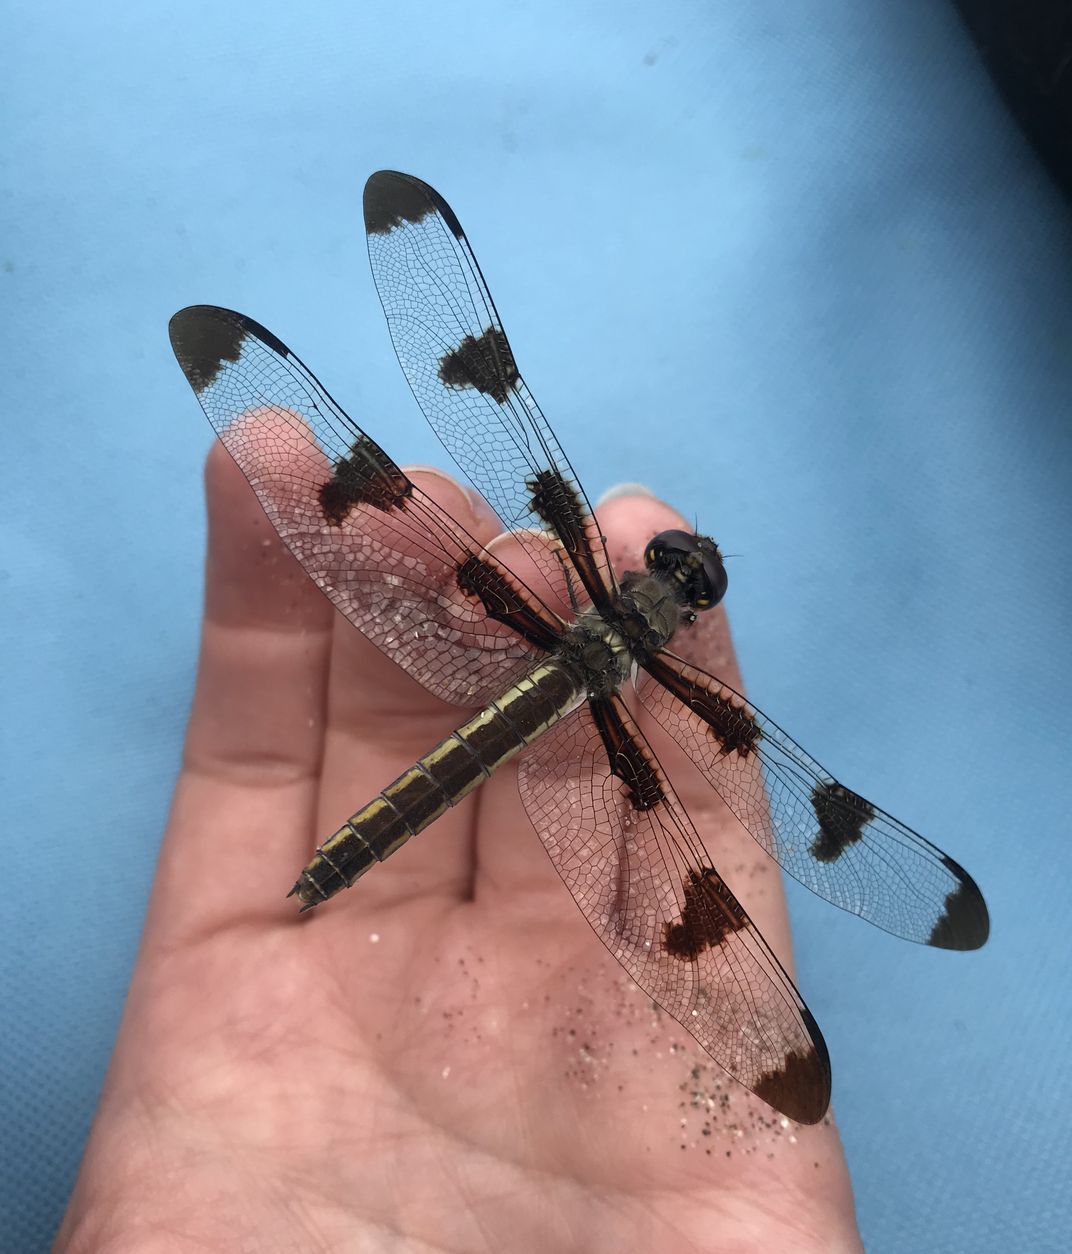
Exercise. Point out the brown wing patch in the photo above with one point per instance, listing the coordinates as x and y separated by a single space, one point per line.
965 924
842 816
393 199
801 1088
204 338
730 722
504 602
710 914
628 759
367 477
556 502
484 362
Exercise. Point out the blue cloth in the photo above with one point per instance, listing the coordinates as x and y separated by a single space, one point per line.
793 265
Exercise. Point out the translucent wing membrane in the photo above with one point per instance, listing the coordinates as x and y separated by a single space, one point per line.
452 346
826 836
389 558
628 853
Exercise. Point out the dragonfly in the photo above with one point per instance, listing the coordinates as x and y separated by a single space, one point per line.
548 670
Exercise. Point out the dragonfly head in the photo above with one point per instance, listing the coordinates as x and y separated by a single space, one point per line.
691 564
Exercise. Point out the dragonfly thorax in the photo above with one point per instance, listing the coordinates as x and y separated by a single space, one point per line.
649 612
598 653
602 648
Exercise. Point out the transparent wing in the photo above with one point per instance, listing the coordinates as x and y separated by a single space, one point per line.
454 352
825 835
388 557
630 856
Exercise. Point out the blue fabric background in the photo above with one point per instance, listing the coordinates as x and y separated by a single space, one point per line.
797 270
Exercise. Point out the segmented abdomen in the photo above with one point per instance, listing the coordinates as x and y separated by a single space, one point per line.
440 779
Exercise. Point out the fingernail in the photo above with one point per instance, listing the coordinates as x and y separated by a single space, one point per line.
624 489
434 470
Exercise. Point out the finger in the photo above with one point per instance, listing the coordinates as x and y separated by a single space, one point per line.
267 627
380 721
245 803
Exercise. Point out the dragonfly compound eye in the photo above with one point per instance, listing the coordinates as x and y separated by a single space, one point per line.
692 564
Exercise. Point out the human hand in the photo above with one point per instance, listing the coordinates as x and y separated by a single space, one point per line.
443 1058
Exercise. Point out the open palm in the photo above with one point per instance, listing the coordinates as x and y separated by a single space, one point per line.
444 1058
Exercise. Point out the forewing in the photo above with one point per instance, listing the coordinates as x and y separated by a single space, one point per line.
454 352
832 840
388 557
630 856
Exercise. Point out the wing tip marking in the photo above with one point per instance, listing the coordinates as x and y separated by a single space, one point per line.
965 921
800 1089
205 337
392 199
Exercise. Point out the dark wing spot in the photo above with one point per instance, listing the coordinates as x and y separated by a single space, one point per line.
367 477
632 766
505 602
202 343
485 363
801 1089
711 912
557 503
729 721
965 923
628 758
204 337
392 199
842 815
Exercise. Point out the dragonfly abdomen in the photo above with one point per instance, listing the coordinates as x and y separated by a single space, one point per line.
440 779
